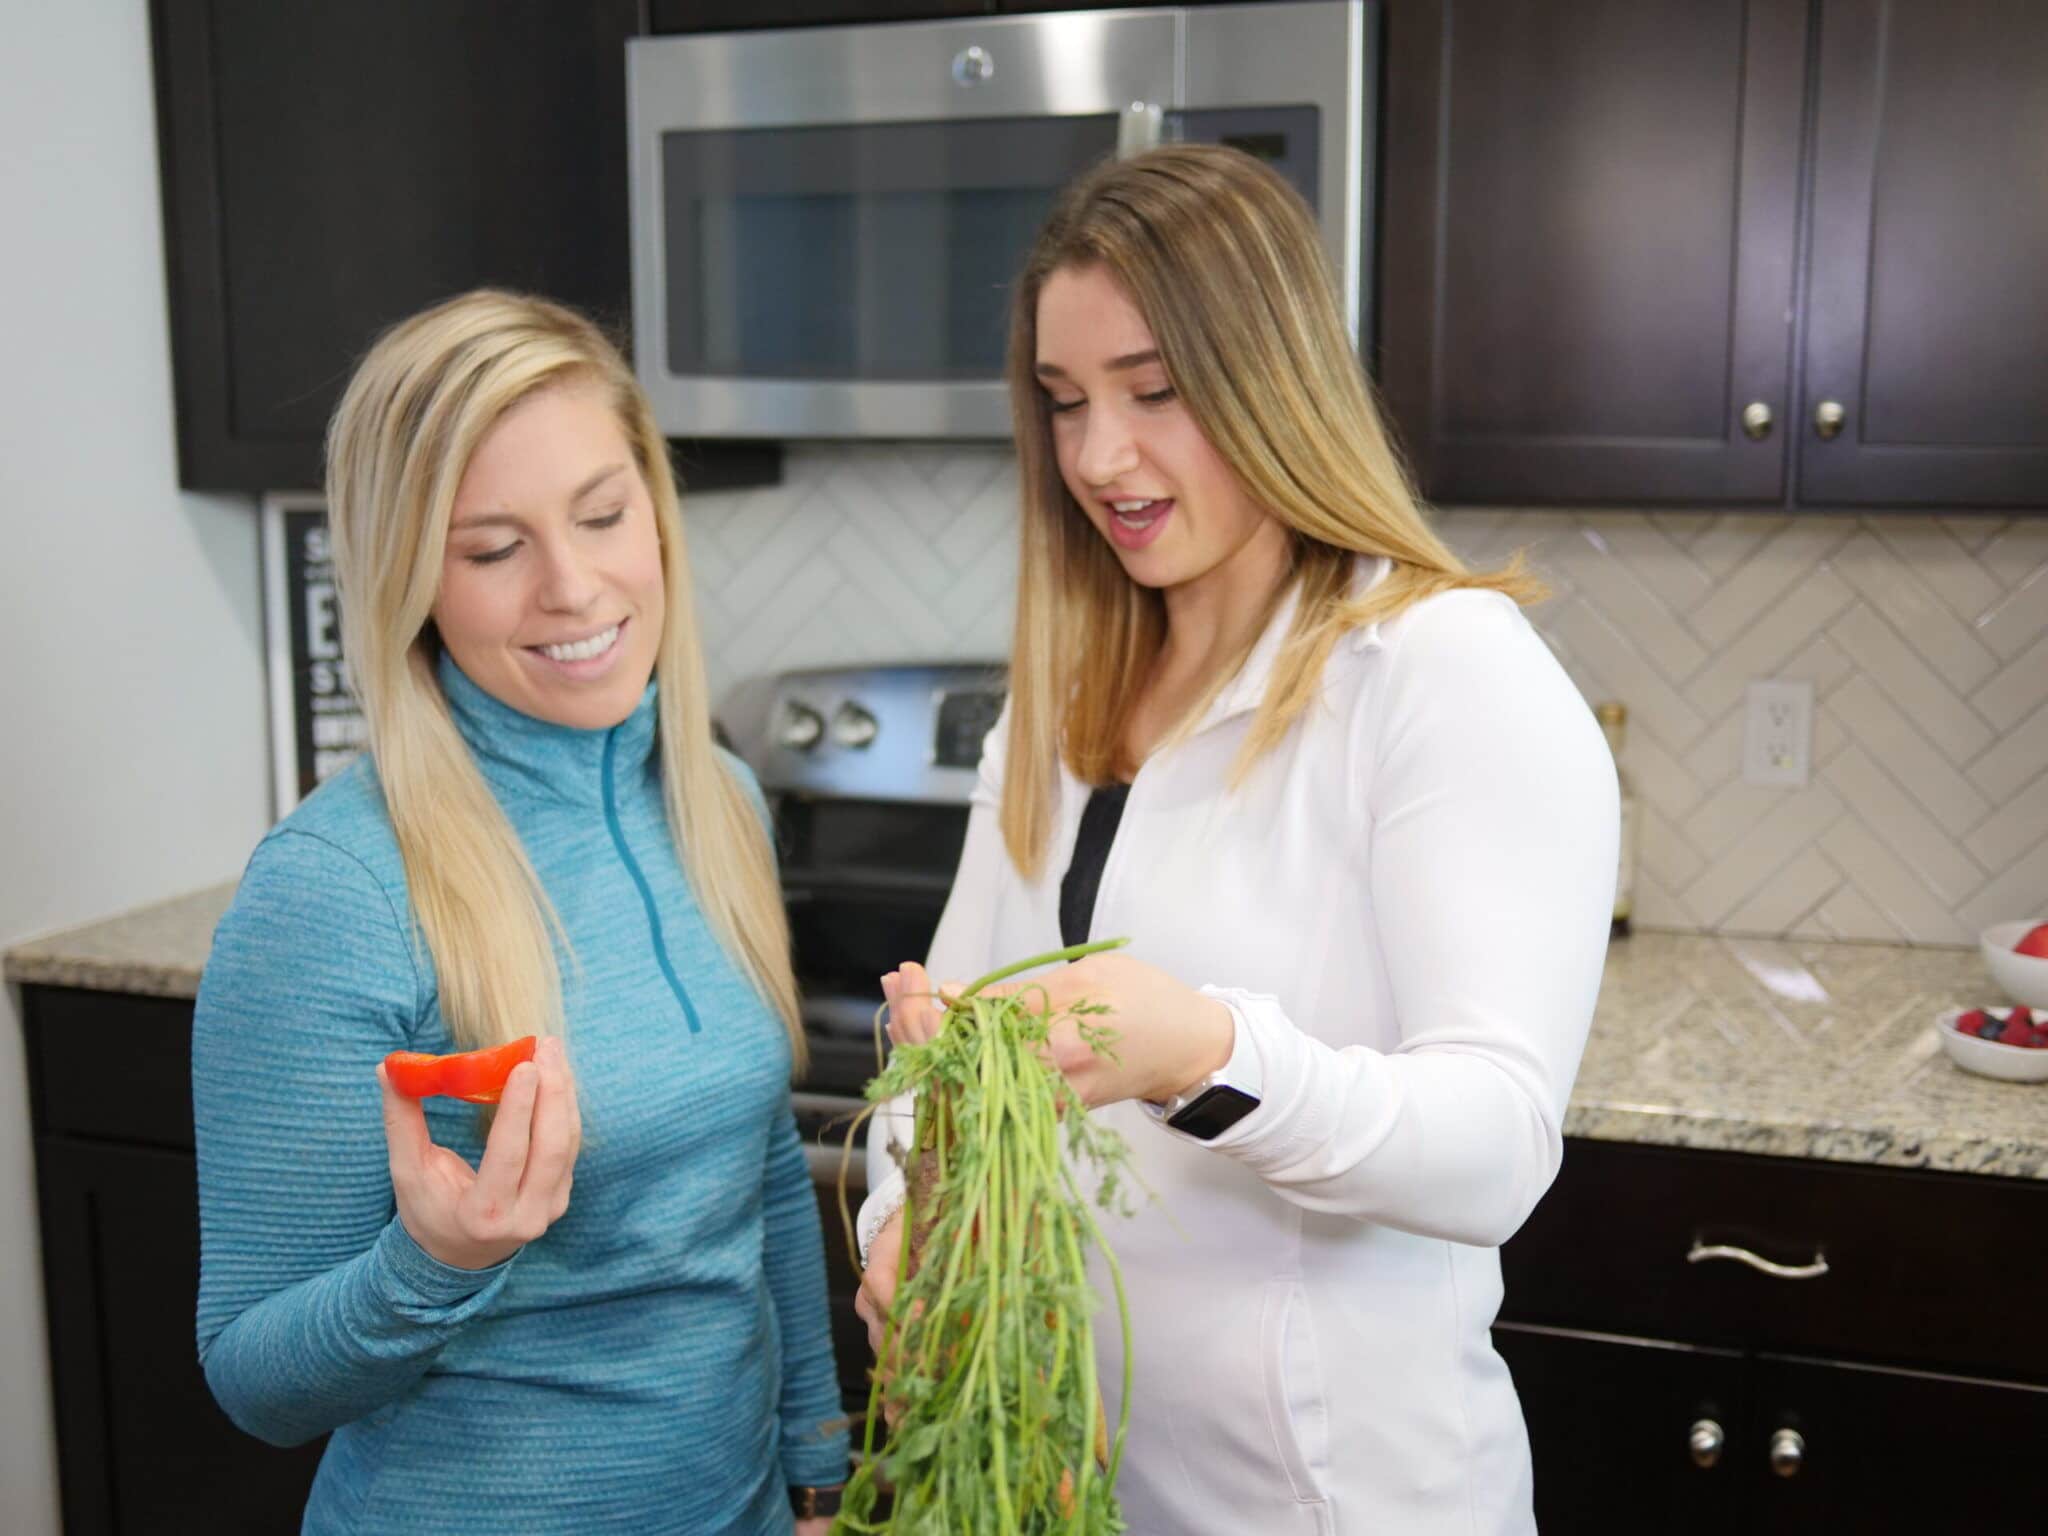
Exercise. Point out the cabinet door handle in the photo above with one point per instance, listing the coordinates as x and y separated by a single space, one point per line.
1701 1252
1706 1441
1756 420
1788 1452
1828 417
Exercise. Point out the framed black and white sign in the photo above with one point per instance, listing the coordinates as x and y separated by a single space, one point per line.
316 728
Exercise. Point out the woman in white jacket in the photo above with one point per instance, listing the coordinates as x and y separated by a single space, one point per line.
1361 829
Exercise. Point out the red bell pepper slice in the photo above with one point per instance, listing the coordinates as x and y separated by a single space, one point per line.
478 1077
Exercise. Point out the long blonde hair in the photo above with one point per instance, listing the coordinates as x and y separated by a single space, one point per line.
1222 259
419 404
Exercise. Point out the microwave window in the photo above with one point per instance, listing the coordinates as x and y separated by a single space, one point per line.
880 251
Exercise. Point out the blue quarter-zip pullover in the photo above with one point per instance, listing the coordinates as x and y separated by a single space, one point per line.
660 1361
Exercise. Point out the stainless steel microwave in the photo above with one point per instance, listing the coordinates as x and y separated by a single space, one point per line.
826 222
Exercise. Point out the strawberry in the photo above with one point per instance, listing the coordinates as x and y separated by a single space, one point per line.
1971 1022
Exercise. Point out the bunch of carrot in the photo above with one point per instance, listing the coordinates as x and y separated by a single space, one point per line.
985 1416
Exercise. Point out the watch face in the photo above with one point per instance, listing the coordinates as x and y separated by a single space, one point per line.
1213 1111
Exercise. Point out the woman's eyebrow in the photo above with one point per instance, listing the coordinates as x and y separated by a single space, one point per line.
1121 364
597 479
467 520
512 520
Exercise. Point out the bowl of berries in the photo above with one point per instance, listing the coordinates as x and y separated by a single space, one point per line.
2017 956
2010 1043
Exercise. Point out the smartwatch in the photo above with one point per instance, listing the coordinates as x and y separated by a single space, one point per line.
808 1503
1210 1109
1212 1106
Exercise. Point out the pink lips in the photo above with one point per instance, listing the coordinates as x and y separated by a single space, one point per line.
1127 537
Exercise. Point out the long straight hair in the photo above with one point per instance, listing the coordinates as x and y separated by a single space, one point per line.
421 401
1222 259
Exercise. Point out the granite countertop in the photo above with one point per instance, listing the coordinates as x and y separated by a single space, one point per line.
157 951
1797 1049
1800 1049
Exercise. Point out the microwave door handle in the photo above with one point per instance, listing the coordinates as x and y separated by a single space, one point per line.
1139 128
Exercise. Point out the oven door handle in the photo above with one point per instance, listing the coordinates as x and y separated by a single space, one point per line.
824 1164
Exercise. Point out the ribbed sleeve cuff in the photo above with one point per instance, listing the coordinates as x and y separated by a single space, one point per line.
422 1288
815 1455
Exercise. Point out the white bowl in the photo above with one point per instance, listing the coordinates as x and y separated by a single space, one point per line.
2024 978
1987 1058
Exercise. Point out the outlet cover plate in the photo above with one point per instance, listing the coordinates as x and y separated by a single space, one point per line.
1777 741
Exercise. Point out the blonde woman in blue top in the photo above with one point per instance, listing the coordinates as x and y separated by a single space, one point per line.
604 1310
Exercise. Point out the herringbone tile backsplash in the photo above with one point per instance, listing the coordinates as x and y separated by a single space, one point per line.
1926 640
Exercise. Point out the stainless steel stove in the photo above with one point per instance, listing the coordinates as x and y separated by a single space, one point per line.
868 773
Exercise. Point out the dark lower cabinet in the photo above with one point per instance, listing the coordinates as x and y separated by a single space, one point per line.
1669 1392
1632 1435
1610 1424
1881 1450
143 1448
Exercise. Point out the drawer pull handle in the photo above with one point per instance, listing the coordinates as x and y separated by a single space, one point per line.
1701 1252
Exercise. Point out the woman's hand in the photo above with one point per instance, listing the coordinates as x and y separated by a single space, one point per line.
877 1294
817 1525
475 1218
915 1009
1167 1036
878 1281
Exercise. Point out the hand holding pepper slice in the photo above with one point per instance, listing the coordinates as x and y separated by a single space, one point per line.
478 1077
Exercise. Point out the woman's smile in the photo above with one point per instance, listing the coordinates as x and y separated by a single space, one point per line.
584 659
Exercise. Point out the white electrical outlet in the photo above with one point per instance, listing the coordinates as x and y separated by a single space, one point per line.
1777 745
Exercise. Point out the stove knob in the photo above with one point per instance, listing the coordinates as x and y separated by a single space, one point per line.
853 726
801 727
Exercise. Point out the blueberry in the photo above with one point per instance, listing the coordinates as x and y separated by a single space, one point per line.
1992 1029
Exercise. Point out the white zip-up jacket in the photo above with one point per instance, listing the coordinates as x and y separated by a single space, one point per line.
1406 906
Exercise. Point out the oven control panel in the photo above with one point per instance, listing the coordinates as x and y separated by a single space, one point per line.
909 733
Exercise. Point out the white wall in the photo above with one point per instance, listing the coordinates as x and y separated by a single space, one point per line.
132 743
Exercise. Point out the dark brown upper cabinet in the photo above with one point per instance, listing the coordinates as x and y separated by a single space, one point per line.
330 169
1927 305
1631 247
1587 246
